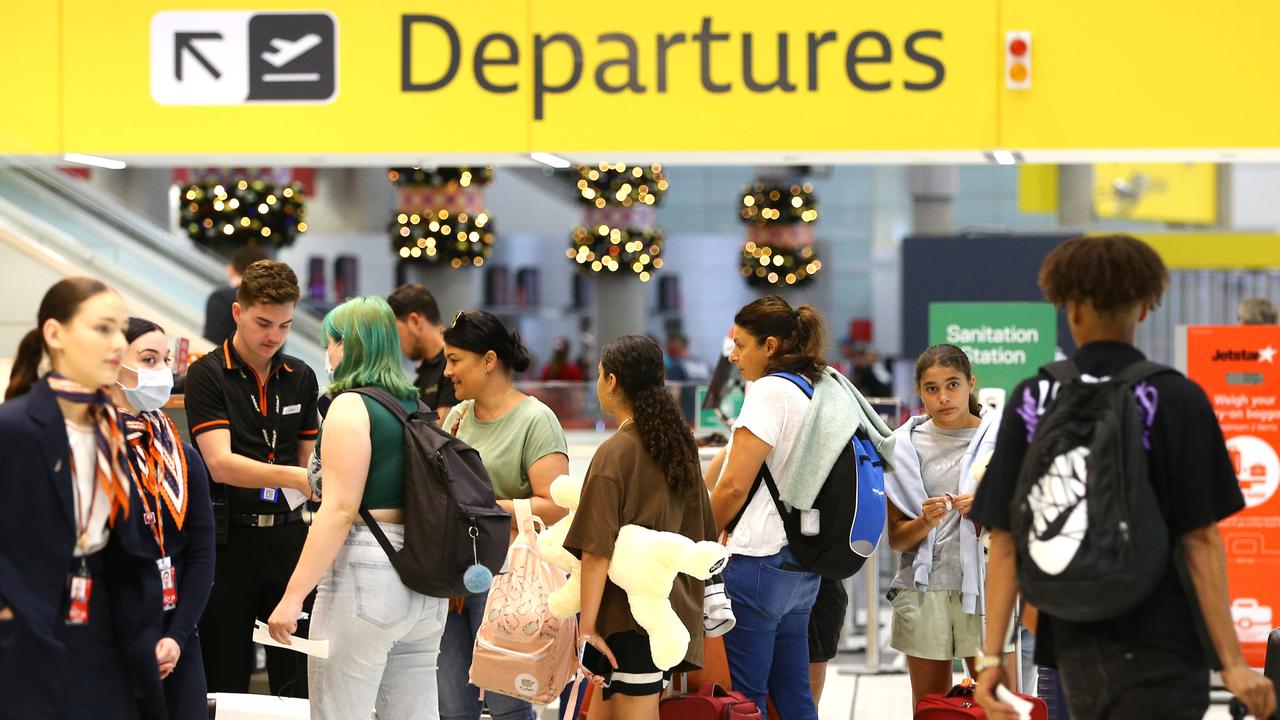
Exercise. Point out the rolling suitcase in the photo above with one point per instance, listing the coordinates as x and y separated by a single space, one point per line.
959 704
710 702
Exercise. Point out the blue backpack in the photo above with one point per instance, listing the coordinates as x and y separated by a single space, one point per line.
848 517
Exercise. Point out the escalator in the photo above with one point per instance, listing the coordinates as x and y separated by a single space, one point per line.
54 226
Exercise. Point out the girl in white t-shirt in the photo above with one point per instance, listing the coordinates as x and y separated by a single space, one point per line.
772 595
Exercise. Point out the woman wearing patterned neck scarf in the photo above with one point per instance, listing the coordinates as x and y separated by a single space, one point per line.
79 591
173 484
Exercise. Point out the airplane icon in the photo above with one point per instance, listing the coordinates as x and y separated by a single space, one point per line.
286 51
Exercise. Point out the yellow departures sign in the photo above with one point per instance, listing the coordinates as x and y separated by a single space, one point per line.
510 76
698 79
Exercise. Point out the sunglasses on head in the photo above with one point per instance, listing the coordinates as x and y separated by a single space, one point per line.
462 315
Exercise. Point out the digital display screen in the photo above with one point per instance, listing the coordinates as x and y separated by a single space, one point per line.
1244 378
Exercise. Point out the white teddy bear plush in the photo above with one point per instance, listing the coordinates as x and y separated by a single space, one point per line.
567 601
644 564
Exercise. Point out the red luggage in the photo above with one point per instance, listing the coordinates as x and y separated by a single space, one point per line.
959 704
710 702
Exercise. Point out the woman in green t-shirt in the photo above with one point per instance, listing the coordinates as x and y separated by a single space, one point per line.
522 446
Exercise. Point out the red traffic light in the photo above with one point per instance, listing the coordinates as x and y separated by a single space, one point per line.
1018 47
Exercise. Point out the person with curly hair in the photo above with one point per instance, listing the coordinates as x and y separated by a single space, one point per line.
1149 661
646 474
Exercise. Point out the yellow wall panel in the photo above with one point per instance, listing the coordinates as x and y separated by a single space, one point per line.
1038 189
1215 251
1175 193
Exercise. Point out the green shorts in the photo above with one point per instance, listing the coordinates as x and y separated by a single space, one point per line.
933 625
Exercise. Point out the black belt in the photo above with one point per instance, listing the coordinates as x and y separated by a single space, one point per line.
266 520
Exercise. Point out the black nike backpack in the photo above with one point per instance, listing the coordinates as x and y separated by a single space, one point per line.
1090 539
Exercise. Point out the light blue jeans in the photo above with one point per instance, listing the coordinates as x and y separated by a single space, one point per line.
383 637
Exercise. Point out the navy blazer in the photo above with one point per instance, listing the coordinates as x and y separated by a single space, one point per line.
37 537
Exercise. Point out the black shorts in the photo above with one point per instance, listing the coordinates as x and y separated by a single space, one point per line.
636 674
826 620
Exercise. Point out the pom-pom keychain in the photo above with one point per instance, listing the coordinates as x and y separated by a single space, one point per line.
477 578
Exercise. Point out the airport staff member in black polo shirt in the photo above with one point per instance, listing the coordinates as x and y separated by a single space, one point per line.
252 413
422 341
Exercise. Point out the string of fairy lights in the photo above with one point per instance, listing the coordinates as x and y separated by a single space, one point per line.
606 249
442 235
225 214
462 177
779 251
458 239
618 234
621 185
763 204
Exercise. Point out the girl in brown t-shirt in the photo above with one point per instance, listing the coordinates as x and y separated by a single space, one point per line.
647 474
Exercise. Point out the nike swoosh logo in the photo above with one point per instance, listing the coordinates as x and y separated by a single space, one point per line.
286 51
1055 527
1060 512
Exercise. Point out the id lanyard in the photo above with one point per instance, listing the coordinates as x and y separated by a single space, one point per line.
83 511
80 584
155 521
270 436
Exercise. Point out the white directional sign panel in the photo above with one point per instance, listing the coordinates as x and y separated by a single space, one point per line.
237 57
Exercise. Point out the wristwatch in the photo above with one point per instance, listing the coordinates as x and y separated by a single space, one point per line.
983 662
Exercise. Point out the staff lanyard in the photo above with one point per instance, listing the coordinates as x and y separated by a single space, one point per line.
154 518
83 511
270 430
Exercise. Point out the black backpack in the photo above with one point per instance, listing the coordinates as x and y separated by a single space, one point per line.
452 519
850 507
1090 538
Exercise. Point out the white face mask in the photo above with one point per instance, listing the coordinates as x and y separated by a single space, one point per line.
153 391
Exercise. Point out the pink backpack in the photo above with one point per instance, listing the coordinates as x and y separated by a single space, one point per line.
522 650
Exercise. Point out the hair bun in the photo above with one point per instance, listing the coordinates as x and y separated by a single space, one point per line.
519 360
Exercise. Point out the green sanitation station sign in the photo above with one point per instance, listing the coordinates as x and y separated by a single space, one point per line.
1006 342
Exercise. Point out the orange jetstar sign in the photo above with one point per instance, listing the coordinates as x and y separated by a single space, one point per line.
1239 369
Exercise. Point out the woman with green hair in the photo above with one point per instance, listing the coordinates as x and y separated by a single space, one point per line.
384 637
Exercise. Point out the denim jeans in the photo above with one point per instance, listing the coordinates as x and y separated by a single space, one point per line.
1028 679
768 649
459 699
383 637
1107 681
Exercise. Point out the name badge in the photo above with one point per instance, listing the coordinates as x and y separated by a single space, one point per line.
80 587
291 409
168 583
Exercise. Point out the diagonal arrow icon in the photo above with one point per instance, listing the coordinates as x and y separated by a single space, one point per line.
183 41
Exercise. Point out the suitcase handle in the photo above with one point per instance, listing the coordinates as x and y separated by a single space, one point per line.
1239 711
967 688
712 689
